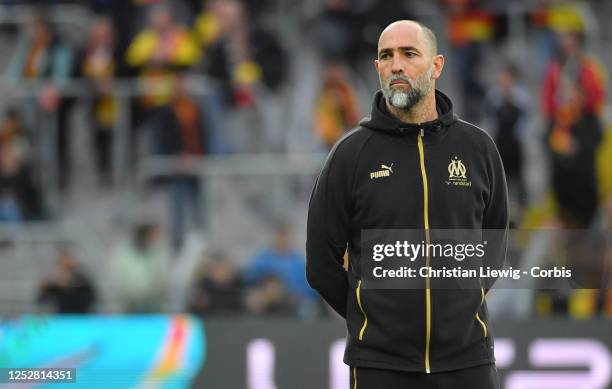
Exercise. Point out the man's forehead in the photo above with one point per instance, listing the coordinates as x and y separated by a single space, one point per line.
401 34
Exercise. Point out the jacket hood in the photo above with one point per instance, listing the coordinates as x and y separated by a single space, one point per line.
382 120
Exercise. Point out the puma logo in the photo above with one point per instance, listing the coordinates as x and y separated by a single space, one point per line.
386 172
390 168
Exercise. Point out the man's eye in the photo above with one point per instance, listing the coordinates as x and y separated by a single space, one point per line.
409 53
384 55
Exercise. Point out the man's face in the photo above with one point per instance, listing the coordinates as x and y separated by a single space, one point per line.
404 92
406 66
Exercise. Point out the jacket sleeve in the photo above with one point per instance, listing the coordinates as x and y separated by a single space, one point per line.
495 221
328 231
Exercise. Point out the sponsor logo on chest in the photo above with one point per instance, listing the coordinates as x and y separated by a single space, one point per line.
385 171
457 173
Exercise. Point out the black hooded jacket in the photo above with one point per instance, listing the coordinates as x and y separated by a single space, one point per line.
426 330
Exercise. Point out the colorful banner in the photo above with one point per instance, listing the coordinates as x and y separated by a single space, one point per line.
154 351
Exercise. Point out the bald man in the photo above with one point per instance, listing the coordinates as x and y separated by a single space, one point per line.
413 165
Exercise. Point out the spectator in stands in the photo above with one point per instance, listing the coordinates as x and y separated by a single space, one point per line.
219 290
20 198
469 27
179 131
550 18
127 17
161 50
337 108
69 290
282 261
239 53
98 64
271 297
13 130
573 97
249 67
42 55
508 106
139 271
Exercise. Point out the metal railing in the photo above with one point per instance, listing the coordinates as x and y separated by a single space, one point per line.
123 91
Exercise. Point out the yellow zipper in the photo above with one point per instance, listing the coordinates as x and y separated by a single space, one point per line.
484 326
365 317
426 223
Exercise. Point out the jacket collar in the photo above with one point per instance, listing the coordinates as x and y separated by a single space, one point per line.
382 120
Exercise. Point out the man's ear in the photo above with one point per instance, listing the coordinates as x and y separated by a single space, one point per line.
376 64
438 65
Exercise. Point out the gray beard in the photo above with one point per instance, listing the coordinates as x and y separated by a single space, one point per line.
406 100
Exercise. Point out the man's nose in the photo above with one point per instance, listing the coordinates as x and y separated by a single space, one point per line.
396 65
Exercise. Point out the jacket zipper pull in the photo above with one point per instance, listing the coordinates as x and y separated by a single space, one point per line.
422 132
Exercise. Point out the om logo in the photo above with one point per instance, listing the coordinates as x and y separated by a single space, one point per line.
457 174
456 169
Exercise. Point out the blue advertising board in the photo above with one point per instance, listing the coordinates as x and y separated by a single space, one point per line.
152 351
